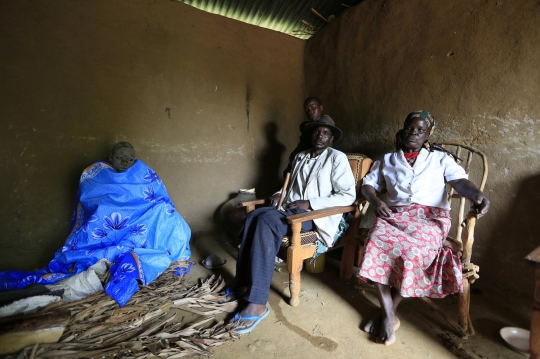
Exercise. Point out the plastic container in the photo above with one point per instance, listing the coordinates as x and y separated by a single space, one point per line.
317 265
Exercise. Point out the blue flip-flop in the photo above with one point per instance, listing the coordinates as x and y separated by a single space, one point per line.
230 296
256 318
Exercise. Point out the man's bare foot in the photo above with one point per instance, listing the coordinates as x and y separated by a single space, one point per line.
387 335
374 325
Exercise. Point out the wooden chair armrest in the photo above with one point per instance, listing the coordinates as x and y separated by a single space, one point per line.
251 203
320 213
360 200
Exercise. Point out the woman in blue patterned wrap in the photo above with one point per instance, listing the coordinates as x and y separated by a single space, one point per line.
123 213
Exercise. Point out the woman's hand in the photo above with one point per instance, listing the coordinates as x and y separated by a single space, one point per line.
467 189
381 209
481 204
274 199
303 204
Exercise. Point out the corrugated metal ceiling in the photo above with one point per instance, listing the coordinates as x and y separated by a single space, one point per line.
293 17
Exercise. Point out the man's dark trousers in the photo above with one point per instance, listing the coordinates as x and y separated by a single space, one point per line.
261 238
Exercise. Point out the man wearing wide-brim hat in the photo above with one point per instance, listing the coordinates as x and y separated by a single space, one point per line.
321 177
327 121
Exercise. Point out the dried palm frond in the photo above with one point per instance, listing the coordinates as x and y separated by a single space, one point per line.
148 325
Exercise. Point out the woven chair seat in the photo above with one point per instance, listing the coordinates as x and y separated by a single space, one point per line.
305 238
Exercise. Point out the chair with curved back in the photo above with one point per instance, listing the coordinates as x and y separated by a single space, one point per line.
299 246
461 235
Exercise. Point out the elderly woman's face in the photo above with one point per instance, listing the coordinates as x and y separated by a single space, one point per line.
122 159
415 132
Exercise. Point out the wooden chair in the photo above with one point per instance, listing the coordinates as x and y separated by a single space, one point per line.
299 246
461 235
533 259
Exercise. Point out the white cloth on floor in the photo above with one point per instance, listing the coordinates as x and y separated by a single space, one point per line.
83 284
27 305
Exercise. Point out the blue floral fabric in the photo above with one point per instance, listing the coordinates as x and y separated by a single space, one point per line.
126 217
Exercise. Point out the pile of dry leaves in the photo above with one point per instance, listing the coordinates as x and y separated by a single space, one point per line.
148 326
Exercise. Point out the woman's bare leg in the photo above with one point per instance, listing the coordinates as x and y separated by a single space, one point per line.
374 325
385 325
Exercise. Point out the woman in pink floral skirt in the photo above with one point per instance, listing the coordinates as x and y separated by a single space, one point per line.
404 254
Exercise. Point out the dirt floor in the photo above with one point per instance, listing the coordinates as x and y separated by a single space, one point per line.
327 321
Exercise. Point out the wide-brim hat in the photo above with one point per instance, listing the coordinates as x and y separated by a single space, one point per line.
327 121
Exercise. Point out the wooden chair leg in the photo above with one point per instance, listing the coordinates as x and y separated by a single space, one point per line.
360 256
535 320
347 260
464 319
294 264
452 322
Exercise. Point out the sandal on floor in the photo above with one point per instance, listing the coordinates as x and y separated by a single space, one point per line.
231 295
255 318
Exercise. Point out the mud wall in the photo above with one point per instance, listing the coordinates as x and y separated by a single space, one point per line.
474 66
204 100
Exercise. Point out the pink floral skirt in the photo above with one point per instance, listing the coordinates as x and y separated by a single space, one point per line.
406 252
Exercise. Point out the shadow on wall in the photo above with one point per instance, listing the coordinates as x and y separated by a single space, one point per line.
270 177
517 226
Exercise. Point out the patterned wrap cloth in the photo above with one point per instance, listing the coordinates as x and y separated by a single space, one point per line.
406 252
127 218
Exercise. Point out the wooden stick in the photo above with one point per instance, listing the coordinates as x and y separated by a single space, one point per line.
33 354
464 303
450 321
309 25
471 329
461 216
302 32
284 190
319 15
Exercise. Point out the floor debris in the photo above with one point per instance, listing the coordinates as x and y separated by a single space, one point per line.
147 326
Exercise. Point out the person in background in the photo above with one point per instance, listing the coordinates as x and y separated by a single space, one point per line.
313 108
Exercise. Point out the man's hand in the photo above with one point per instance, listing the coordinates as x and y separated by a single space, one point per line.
481 204
274 200
303 204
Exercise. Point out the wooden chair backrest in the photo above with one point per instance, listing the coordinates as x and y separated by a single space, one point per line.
360 165
476 166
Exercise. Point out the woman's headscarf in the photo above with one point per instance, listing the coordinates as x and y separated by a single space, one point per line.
430 121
